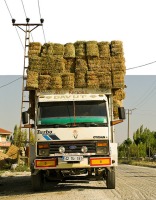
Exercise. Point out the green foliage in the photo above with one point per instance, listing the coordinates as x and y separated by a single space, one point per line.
143 144
21 138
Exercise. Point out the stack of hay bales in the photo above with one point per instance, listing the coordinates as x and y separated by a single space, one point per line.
81 64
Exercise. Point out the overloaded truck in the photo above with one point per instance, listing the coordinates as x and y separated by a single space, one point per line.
75 92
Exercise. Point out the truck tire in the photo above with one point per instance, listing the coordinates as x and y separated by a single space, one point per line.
37 182
110 178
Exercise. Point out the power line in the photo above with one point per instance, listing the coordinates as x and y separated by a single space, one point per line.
141 65
8 9
24 9
40 19
26 17
15 27
10 82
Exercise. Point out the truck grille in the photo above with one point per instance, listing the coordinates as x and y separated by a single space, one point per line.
73 147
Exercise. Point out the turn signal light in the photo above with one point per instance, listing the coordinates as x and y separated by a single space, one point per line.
43 146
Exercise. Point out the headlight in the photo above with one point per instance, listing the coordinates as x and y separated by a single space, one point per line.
61 149
43 152
84 149
102 148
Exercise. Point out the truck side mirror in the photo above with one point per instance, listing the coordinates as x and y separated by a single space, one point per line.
24 117
121 112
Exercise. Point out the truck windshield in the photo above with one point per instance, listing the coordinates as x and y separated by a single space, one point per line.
72 112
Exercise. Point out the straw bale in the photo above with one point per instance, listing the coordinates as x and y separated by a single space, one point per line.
92 80
105 80
44 82
70 65
59 64
80 80
58 49
12 152
119 94
56 81
116 104
93 64
80 49
118 79
104 66
32 80
33 53
35 60
115 43
118 67
104 49
81 65
92 48
68 80
69 50
117 59
35 46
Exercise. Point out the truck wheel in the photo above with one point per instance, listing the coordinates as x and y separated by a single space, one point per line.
110 178
37 182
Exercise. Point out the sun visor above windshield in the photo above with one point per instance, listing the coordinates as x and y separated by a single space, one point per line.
72 97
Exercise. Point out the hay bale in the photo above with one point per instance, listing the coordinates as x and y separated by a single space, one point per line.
69 50
12 152
70 65
92 80
80 49
81 65
47 49
118 79
58 49
116 48
56 81
105 80
44 82
32 80
119 94
68 80
93 64
35 46
105 66
92 49
104 49
59 64
119 67
117 59
80 80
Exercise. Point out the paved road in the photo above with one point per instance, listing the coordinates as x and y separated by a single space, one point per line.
132 183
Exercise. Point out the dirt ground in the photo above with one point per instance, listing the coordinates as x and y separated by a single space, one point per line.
132 183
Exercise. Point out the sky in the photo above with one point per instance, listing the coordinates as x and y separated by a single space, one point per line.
131 21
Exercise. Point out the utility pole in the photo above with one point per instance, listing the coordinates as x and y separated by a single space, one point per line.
129 113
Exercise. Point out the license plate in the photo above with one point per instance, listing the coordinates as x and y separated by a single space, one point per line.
72 158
